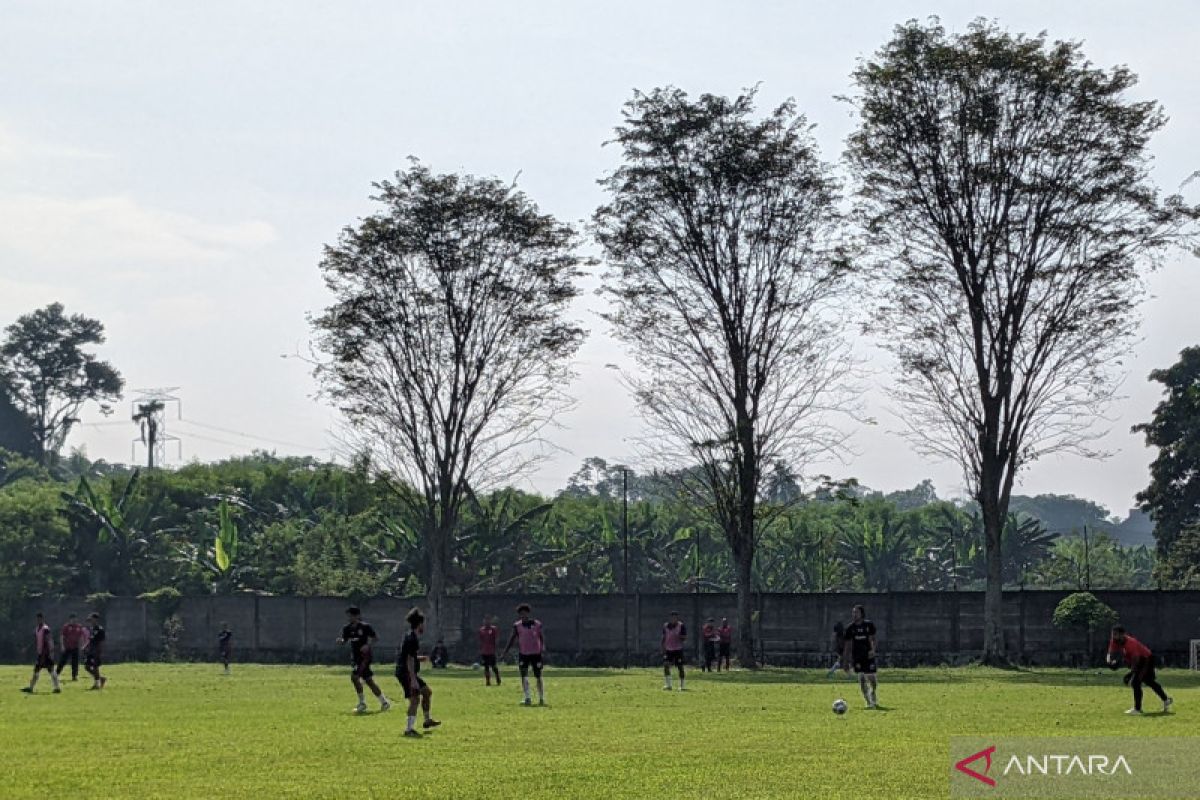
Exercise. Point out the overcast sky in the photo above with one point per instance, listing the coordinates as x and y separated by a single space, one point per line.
174 169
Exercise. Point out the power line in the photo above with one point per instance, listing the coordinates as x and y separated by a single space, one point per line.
252 436
217 441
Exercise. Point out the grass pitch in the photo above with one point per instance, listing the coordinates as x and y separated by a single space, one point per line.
184 731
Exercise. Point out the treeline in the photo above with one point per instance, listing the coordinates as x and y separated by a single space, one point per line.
296 526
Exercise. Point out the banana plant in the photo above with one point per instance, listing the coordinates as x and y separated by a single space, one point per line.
226 544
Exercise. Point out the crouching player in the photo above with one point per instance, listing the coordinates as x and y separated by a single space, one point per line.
1141 668
408 669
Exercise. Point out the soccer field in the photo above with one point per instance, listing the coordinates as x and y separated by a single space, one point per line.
286 731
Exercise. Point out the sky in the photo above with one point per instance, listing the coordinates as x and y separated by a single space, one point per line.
174 170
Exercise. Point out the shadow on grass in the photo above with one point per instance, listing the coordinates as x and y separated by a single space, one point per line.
949 675
1047 676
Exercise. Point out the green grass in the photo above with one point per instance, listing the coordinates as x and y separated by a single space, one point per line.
276 731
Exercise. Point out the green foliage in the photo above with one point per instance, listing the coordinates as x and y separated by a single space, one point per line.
1083 611
98 601
164 601
303 527
1173 496
49 374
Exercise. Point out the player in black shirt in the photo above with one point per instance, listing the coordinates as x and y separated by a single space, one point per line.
408 672
225 645
94 655
360 636
860 635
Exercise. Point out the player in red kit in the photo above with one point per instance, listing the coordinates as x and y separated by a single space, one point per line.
1141 668
71 637
489 634
43 654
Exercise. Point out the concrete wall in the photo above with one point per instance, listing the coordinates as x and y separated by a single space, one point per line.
790 629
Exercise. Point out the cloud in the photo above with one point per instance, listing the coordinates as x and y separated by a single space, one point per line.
18 148
117 230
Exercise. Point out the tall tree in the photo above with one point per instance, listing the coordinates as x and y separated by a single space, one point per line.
16 428
147 419
1173 497
448 339
719 233
1005 186
50 374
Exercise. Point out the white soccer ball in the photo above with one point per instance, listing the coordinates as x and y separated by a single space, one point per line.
839 706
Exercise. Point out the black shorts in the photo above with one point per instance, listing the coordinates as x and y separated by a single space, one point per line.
724 649
533 662
44 661
673 658
865 666
487 661
92 661
1145 673
361 669
406 684
710 650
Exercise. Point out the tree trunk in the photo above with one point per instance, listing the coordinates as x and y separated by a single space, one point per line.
437 549
993 597
435 598
745 608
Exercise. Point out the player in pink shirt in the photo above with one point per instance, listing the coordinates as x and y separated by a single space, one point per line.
488 636
674 635
527 634
43 648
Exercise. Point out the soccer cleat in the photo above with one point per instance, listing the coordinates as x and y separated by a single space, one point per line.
430 723
27 689
413 733
1133 712
526 702
1170 701
384 705
361 708
57 690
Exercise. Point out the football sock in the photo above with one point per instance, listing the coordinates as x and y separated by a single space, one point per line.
361 699
54 678
33 681
412 720
525 686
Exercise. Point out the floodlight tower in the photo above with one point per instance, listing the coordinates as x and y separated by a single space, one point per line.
149 414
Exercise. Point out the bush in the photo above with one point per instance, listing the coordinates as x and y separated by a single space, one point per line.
164 601
172 629
1084 611
99 601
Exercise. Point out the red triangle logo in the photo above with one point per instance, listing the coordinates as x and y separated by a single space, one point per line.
962 767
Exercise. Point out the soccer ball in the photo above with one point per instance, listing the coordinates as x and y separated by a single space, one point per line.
839 706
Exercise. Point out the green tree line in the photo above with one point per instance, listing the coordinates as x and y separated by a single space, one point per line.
296 526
